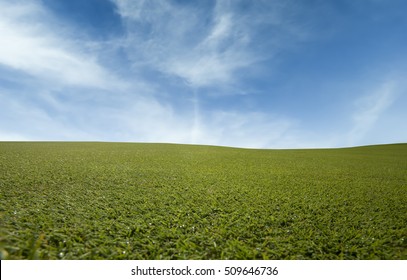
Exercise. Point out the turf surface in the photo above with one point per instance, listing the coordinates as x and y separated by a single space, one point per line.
163 201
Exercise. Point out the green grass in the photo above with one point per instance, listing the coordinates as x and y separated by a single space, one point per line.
163 201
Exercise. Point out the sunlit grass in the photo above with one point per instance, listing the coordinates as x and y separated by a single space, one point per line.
161 201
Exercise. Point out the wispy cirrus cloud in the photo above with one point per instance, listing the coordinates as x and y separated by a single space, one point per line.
204 46
372 107
33 43
48 77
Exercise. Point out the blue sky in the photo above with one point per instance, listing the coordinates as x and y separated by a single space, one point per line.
258 74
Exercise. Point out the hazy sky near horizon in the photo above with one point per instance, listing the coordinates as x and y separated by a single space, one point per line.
259 74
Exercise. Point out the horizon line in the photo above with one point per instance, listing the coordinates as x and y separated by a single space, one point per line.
199 144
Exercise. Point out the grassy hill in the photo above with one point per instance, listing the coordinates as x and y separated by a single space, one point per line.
164 201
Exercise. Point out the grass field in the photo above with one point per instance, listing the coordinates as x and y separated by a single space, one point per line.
163 201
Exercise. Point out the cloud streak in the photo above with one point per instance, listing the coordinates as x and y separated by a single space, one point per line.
370 108
31 46
204 47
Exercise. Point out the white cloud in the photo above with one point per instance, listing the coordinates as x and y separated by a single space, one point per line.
22 119
370 108
147 121
207 46
177 41
221 29
31 45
